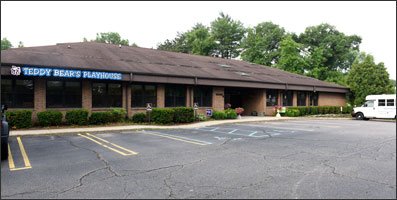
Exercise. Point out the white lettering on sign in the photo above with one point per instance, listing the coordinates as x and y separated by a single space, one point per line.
70 73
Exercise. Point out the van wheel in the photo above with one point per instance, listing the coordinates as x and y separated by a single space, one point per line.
359 116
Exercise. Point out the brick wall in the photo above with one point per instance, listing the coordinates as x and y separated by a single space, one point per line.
218 98
331 99
255 101
86 95
160 96
39 97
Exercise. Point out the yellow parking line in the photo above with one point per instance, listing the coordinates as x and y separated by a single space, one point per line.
10 159
131 152
108 147
11 163
24 155
175 138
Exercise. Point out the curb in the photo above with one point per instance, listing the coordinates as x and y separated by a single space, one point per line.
139 127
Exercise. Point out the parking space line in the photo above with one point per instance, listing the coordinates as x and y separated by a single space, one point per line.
276 127
95 139
308 124
253 133
233 131
214 129
25 157
178 138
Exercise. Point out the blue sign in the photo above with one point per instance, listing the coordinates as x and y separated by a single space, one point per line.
70 73
208 112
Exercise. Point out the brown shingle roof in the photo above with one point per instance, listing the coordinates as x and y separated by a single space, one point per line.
109 57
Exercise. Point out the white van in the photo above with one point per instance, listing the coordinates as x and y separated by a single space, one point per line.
376 106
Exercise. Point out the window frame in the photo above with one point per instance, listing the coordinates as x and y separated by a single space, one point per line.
285 94
379 102
201 99
13 93
313 101
298 100
144 95
269 100
107 95
388 101
174 97
64 93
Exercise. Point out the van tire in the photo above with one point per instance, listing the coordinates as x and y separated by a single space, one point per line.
359 116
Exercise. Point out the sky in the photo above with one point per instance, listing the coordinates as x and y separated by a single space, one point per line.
149 23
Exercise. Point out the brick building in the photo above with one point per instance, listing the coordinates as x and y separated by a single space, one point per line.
98 76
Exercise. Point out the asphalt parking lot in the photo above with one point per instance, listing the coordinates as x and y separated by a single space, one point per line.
281 159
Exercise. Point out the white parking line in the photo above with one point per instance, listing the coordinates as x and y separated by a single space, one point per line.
233 131
267 126
307 124
320 122
253 133
174 137
212 130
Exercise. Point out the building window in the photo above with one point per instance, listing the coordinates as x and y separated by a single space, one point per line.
390 102
17 93
301 98
381 102
272 97
106 95
143 94
63 94
175 95
287 98
313 99
203 96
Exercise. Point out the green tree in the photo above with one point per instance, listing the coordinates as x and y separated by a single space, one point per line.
291 58
227 34
200 40
262 44
179 44
111 38
5 44
329 50
366 77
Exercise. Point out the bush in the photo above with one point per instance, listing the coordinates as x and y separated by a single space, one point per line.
78 117
314 110
118 114
219 115
162 115
19 118
292 112
101 117
49 118
201 117
139 117
347 109
230 114
183 115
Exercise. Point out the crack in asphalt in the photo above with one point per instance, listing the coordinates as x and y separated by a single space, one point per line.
99 157
354 177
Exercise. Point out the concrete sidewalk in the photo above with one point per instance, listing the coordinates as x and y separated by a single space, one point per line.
135 127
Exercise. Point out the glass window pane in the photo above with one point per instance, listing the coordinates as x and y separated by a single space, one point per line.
301 98
381 102
114 89
390 102
137 89
175 95
6 92
271 97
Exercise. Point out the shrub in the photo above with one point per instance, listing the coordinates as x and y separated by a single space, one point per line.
101 117
139 117
19 118
49 118
347 109
292 112
118 114
201 117
219 115
78 117
183 115
230 114
162 115
314 110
